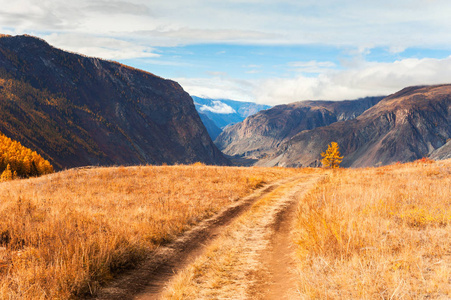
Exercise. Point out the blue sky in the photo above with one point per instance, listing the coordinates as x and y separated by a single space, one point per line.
255 50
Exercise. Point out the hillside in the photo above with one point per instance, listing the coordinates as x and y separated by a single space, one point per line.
405 126
260 134
444 152
76 110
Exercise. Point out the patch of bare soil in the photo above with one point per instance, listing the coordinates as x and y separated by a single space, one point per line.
148 280
277 279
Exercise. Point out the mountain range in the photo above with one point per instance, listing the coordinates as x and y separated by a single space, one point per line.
77 110
410 124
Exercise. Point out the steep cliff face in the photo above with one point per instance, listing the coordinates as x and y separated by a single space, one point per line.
444 152
77 110
405 126
259 135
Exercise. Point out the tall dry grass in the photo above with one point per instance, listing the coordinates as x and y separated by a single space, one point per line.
64 234
377 233
224 270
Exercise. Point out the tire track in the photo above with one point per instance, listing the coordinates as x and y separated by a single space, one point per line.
148 280
251 259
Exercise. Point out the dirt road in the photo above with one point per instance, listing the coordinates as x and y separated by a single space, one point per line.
269 212
276 278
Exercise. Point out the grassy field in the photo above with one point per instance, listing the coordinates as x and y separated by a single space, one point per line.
222 272
66 233
360 233
377 233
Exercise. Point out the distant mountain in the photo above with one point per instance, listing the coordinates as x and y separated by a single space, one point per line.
224 112
408 125
258 135
76 110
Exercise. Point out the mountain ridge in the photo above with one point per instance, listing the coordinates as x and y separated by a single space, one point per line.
258 135
90 111
404 126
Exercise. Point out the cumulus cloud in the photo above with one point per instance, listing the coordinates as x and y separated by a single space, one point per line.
366 79
125 29
218 107
359 79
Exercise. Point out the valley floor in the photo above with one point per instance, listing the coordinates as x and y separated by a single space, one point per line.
229 233
343 234
66 234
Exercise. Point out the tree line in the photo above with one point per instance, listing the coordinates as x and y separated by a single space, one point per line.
17 161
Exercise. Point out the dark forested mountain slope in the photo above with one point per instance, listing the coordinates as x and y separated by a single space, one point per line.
77 110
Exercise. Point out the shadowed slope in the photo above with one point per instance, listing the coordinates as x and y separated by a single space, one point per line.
77 110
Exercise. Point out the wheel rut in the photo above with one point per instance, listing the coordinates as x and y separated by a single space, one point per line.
276 279
254 256
148 280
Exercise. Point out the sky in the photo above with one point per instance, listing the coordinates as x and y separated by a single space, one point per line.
265 51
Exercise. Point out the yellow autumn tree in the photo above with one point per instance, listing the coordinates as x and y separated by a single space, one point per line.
19 161
7 174
331 158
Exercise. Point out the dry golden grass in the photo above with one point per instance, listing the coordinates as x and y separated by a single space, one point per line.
377 233
223 271
64 234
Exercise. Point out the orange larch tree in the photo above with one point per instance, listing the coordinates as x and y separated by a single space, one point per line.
331 158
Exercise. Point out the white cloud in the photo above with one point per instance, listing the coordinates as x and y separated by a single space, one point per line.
117 7
218 108
359 79
312 66
123 29
219 88
397 24
103 47
186 35
367 79
396 49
